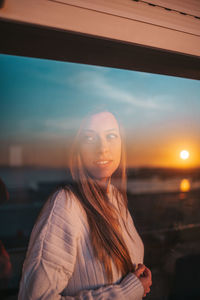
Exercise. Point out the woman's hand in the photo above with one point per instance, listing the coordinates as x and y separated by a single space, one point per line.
144 274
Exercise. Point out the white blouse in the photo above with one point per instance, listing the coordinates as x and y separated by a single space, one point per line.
60 262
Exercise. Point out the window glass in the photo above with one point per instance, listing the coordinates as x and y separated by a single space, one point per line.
42 105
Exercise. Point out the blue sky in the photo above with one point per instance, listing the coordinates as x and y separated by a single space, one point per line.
43 100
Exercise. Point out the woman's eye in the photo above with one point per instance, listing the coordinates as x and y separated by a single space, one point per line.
112 136
89 139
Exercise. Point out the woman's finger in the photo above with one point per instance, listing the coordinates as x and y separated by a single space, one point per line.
147 273
140 270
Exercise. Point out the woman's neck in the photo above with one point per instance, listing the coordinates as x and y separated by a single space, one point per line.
105 183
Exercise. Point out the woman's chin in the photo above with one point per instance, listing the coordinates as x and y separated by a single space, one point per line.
102 176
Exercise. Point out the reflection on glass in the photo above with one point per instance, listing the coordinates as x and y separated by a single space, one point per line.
37 132
15 156
185 185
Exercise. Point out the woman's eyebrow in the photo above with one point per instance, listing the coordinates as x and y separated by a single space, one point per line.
90 130
112 129
107 130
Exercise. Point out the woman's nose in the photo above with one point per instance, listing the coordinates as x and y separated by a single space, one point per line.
102 145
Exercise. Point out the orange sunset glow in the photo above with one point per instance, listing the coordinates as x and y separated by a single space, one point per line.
180 157
161 127
163 154
185 185
184 154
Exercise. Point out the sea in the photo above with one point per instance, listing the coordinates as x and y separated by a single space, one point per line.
31 177
165 207
172 200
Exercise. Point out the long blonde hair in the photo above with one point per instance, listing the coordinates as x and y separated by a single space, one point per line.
106 236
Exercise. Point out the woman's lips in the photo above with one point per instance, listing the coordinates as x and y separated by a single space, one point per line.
103 163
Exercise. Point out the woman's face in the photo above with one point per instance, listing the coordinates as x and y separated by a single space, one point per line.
100 145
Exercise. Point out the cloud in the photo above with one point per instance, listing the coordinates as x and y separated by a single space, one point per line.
57 129
54 128
62 125
97 83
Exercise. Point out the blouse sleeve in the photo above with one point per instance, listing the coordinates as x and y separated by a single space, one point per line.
46 281
51 258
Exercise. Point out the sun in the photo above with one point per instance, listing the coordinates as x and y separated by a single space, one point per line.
184 154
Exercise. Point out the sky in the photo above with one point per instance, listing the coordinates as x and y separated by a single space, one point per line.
43 101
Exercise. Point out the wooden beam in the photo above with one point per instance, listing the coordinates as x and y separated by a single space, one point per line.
42 42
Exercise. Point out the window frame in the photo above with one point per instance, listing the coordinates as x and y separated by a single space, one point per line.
23 39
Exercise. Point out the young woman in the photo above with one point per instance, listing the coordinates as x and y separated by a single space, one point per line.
84 244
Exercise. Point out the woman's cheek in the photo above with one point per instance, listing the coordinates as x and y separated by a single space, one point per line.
87 153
